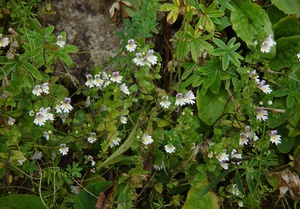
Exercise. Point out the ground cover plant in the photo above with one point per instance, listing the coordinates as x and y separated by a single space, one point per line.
199 108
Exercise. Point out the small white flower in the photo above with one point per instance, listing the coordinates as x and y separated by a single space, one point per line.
116 77
243 139
3 41
138 60
66 106
270 102
114 142
131 46
45 88
146 139
63 149
21 161
37 155
58 106
180 100
276 139
265 88
169 148
261 115
11 121
46 135
31 113
223 157
298 56
92 138
46 113
124 89
151 59
240 203
98 82
267 44
39 120
165 103
210 154
60 42
90 81
235 191
123 120
159 167
189 97
224 165
235 157
37 90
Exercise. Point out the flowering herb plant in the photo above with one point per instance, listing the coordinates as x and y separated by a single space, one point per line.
200 108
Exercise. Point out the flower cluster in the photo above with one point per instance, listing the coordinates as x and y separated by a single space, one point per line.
267 44
260 83
39 89
188 98
223 158
148 59
247 136
114 142
42 116
64 106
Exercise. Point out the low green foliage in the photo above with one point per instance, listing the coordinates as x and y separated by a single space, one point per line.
201 107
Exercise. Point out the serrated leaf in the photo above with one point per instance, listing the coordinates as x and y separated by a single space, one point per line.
288 6
287 49
249 20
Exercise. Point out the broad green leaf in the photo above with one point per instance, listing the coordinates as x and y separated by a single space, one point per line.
66 58
215 87
33 70
275 14
210 79
288 26
288 6
21 201
250 22
89 197
287 49
210 106
214 182
287 143
209 200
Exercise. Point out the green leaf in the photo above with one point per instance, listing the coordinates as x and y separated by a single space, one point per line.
250 182
287 49
287 143
66 58
85 199
214 183
249 20
33 70
209 200
239 183
215 87
288 6
288 26
210 106
21 201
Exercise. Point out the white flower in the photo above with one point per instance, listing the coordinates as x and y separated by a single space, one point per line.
131 46
39 119
240 203
21 161
31 113
3 41
254 75
92 138
124 89
45 88
243 139
180 100
46 135
169 148
91 159
159 167
58 106
189 97
66 106
210 154
123 120
138 60
46 113
116 77
146 139
261 115
265 88
151 59
165 103
270 102
90 81
267 44
224 165
255 137
223 157
114 142
37 155
276 139
298 56
37 90
235 157
11 121
235 191
60 42
98 82
63 149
